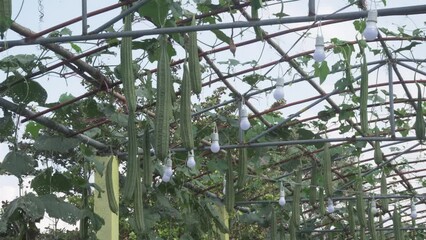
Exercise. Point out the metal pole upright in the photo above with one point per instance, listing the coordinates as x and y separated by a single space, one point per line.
312 10
391 106
84 16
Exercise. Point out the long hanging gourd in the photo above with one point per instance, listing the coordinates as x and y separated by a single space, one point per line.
384 192
360 204
113 206
255 6
378 155
362 235
185 111
229 188
242 167
5 16
193 61
128 80
396 219
351 218
363 92
138 203
371 224
147 161
321 200
313 189
293 230
296 208
164 103
328 176
381 233
419 125
273 225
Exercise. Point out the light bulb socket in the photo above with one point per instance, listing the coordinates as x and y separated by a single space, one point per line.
169 163
215 136
243 111
372 16
279 82
319 41
191 153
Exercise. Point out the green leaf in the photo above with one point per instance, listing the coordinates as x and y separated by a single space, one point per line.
47 182
99 165
33 128
76 48
24 61
65 31
18 164
253 78
24 91
155 11
55 143
407 48
321 71
7 126
58 208
219 34
28 205
65 97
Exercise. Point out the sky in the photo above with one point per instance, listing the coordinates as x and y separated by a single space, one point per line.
59 11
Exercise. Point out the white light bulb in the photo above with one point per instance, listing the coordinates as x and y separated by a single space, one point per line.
165 178
215 147
370 32
244 122
319 54
279 93
413 211
281 201
330 206
373 207
168 170
191 159
279 89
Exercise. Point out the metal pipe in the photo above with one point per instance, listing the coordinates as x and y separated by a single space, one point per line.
124 13
324 97
382 164
290 117
308 141
84 16
345 198
411 10
51 124
391 102
345 230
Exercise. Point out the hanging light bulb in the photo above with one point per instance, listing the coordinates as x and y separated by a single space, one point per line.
224 185
279 89
413 210
319 54
215 147
370 32
190 162
281 201
373 207
244 122
168 170
330 206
